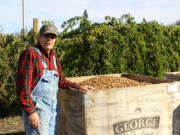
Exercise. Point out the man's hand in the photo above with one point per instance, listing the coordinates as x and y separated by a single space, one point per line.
86 88
34 120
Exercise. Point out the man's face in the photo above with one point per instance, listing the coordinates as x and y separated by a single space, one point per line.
47 41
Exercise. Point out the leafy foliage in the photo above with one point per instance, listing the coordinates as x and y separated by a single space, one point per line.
10 48
118 46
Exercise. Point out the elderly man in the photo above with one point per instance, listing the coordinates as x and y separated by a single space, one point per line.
38 79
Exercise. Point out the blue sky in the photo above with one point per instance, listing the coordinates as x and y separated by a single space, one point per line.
164 11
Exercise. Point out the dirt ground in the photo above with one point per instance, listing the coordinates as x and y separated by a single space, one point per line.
12 126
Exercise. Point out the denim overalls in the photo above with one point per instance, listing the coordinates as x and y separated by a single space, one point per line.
44 96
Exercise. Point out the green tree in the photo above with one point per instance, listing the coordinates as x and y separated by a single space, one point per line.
85 14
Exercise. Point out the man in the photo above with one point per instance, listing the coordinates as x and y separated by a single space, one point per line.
38 79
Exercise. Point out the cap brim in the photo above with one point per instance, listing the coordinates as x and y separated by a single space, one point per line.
55 33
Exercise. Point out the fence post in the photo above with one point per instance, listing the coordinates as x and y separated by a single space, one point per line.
35 25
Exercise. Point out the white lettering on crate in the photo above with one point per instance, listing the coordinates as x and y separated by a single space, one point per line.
136 124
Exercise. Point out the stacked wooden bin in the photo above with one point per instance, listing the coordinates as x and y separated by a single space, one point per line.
175 76
138 110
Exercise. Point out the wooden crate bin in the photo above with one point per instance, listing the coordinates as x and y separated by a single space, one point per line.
175 76
139 110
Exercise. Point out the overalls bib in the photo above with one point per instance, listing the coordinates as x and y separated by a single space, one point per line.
44 96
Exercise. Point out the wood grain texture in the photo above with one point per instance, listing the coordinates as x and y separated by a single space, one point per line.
143 110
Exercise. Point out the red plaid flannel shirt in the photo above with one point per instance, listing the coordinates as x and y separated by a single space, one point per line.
30 70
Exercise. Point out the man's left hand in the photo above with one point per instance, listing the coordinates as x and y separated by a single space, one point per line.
86 88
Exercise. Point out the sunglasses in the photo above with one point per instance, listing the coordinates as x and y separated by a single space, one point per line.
52 36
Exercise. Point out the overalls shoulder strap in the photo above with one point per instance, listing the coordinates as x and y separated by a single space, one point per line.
44 61
54 59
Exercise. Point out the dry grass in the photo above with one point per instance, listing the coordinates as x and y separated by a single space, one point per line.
12 126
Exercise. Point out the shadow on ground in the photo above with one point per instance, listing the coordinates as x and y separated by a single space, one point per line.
18 133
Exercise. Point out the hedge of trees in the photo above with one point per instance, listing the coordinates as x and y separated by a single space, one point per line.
117 45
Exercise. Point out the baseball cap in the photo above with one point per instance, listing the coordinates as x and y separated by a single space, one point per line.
48 28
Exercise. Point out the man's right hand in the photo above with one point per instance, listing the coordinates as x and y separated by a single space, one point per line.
34 120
